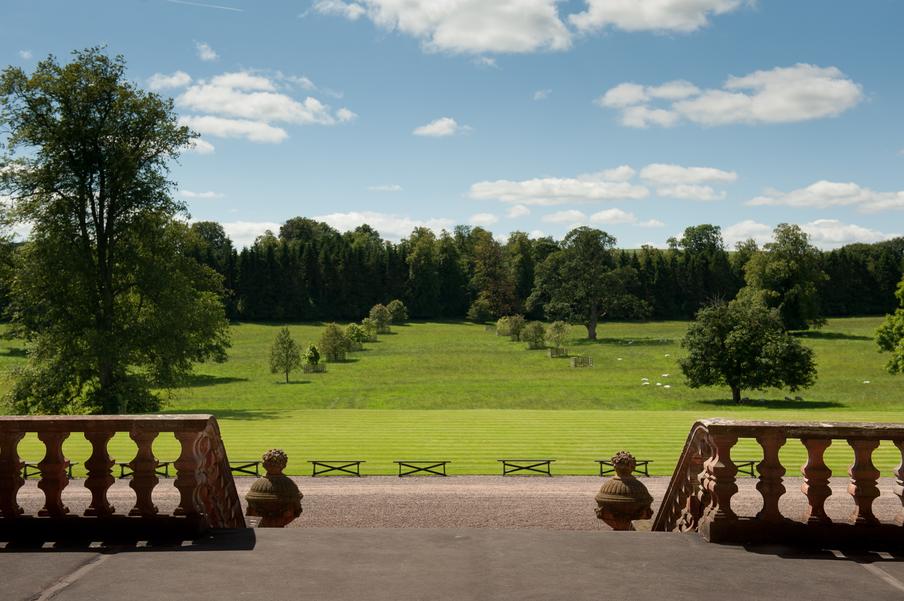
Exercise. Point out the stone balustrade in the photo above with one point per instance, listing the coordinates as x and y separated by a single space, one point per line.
699 494
208 497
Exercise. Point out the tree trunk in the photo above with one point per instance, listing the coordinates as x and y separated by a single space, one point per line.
287 376
591 323
736 394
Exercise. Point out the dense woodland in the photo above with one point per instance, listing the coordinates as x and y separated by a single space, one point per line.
309 271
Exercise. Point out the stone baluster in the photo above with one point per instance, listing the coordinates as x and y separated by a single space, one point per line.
10 473
771 471
816 480
864 477
100 473
144 473
719 481
186 473
899 482
54 476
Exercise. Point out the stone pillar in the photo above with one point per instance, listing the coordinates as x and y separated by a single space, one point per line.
100 473
10 474
144 473
54 476
816 480
864 478
771 471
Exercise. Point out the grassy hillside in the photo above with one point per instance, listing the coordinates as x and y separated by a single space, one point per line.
461 393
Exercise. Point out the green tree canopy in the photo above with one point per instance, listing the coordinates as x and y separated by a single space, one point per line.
890 336
284 354
333 343
398 313
743 345
580 281
381 317
789 272
104 290
557 333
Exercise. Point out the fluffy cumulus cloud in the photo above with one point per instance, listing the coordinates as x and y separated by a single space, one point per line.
542 94
517 211
245 104
518 26
441 128
393 227
781 95
205 52
464 26
824 194
570 216
824 233
672 181
25 55
483 219
651 15
162 81
201 146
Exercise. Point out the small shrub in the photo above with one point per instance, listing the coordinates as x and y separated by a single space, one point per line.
557 334
398 312
382 318
480 311
582 361
503 326
534 335
370 329
311 361
356 336
557 353
333 343
516 326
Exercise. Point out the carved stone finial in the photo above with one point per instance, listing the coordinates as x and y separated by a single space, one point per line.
623 498
274 498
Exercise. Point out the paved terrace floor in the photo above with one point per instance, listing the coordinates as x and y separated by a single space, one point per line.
383 538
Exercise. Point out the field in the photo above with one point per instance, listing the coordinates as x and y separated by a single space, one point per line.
455 391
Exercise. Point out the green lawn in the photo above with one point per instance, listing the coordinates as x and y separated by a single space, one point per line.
454 391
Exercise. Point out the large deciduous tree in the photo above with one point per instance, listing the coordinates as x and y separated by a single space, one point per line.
890 336
743 345
789 272
105 290
581 283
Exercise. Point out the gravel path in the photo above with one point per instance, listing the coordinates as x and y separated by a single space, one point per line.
561 503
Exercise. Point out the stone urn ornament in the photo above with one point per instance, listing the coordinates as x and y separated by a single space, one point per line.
274 498
623 498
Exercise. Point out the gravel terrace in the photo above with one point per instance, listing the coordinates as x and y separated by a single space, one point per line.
558 503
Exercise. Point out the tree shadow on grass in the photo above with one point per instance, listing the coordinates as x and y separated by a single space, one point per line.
13 352
774 404
625 342
202 380
829 336
237 414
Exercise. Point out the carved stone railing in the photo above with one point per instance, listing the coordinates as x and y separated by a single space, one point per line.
699 494
208 498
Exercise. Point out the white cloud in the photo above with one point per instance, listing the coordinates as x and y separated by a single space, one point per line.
548 191
205 52
201 146
613 217
483 219
350 11
440 128
666 173
830 233
209 195
518 211
464 26
248 96
680 16
534 234
622 173
254 131
542 94
824 194
781 95
571 216
344 115
243 233
486 61
161 81
385 188
392 227
25 55
690 192
651 223
745 230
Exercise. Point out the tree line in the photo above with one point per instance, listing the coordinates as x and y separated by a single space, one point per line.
310 271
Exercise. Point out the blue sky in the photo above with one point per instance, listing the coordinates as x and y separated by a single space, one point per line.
639 117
